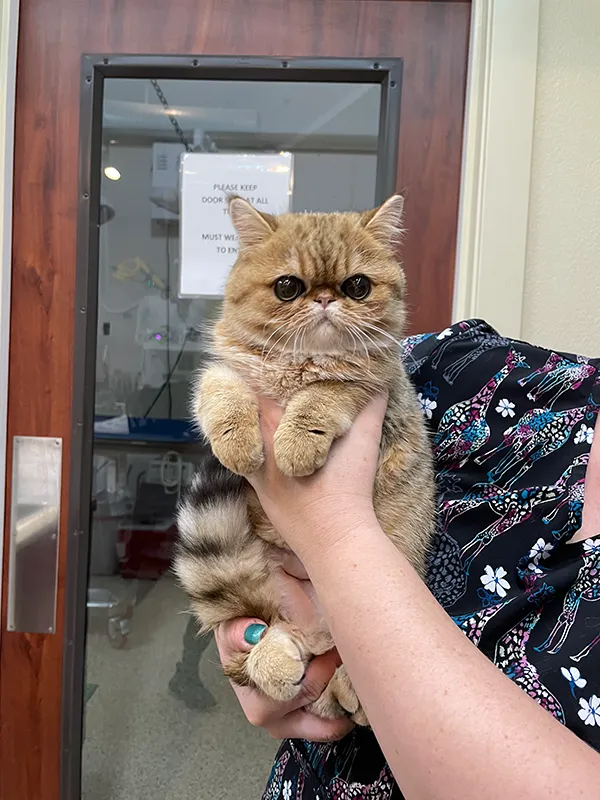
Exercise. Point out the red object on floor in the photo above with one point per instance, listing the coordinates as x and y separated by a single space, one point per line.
145 552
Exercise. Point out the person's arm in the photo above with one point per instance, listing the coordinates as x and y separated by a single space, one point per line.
451 725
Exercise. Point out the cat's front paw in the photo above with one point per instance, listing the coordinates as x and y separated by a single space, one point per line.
239 448
300 450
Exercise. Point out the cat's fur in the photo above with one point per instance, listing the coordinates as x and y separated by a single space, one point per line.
324 372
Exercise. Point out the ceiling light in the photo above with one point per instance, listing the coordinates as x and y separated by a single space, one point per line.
112 173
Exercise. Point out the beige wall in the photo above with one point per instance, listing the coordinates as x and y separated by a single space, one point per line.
561 306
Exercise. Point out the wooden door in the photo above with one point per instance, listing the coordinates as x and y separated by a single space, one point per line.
431 38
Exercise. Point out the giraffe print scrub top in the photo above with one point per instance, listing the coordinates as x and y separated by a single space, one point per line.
512 427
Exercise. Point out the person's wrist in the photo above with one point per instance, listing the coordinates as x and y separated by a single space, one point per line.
319 535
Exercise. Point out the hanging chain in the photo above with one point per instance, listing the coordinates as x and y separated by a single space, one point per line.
161 96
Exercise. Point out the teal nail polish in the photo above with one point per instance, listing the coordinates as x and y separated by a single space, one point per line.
254 632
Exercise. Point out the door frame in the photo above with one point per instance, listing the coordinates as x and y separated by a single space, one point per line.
386 72
491 255
9 33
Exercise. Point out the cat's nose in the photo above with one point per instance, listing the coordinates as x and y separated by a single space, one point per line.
324 299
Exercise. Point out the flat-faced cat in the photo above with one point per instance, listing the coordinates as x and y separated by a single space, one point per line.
314 307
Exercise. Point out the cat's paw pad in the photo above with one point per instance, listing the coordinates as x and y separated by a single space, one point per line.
300 451
240 449
276 665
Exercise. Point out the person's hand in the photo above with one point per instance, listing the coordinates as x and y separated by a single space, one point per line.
286 720
338 498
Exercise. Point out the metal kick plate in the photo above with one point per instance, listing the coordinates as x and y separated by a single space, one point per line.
34 531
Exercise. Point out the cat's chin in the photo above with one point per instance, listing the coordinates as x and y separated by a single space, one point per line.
326 340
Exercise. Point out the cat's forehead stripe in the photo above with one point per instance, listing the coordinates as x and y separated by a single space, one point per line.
322 259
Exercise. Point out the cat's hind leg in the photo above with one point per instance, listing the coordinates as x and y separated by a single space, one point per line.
339 699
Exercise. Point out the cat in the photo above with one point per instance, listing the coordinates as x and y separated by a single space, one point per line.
312 315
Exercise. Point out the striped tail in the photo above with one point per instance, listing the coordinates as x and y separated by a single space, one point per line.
221 563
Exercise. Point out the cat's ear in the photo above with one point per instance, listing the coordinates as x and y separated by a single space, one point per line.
252 226
385 223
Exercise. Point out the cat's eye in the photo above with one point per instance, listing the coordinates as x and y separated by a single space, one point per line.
357 287
288 288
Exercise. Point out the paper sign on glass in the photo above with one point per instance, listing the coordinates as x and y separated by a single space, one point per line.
208 241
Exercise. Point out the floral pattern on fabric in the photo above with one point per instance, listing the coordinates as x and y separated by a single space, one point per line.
512 427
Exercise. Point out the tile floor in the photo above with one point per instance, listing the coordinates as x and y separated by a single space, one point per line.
145 742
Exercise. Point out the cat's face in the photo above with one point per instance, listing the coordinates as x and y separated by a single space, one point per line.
315 284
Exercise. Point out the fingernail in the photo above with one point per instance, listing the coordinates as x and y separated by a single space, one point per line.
254 632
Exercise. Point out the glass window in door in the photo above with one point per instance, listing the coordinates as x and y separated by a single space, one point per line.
161 720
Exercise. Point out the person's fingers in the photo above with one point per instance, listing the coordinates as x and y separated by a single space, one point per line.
238 635
301 724
378 406
304 725
261 711
297 600
364 436
293 566
271 413
283 720
258 709
369 422
318 674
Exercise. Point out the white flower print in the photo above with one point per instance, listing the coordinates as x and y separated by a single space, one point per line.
287 790
428 405
591 546
493 580
506 408
584 434
535 569
590 710
573 675
446 332
540 550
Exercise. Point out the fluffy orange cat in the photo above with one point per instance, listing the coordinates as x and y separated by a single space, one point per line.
313 311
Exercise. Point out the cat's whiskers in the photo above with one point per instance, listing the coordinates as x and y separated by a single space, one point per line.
285 343
355 339
279 328
284 333
302 338
364 335
364 340
369 338
381 332
300 332
368 370
285 338
290 336
356 334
